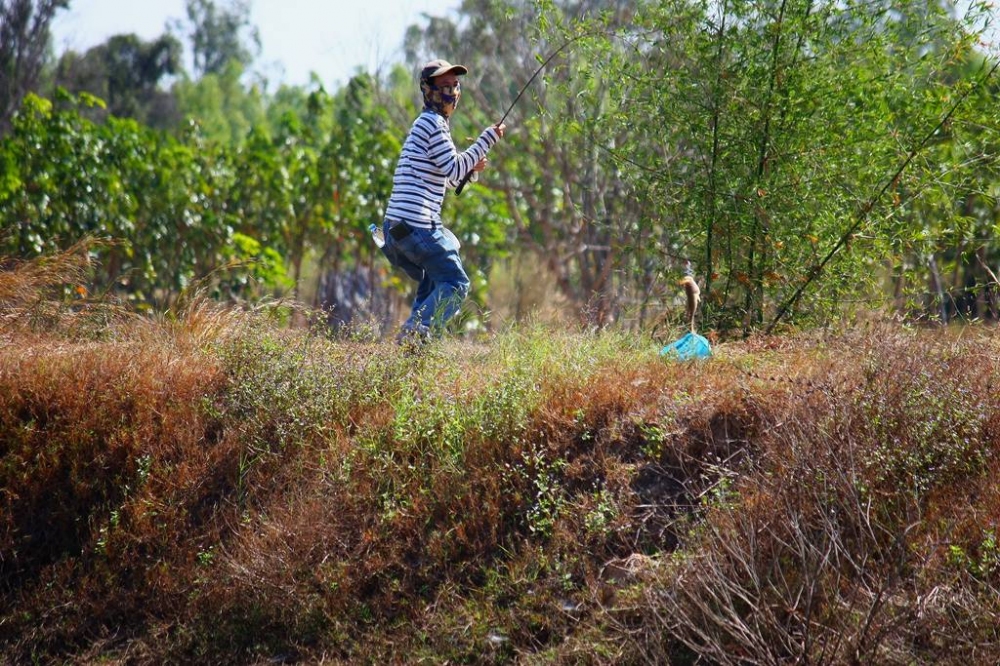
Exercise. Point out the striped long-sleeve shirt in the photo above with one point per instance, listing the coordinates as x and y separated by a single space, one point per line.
428 164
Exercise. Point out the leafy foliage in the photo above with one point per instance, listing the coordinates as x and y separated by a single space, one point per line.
24 38
247 209
126 72
220 35
121 182
758 132
803 157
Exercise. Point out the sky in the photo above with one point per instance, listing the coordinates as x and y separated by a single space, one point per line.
334 38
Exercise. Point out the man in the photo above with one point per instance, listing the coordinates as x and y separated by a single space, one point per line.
415 239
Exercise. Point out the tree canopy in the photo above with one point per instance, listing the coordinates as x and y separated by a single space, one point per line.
24 40
803 159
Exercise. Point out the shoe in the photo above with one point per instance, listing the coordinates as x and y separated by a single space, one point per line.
413 339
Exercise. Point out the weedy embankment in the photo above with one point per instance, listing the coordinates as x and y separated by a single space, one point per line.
210 487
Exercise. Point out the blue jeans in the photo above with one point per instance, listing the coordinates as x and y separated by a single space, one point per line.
430 258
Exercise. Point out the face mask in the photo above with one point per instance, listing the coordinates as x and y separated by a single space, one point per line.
442 99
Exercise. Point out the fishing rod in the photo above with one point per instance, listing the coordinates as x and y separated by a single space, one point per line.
510 108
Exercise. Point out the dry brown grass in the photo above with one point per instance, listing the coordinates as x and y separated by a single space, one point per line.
205 487
839 540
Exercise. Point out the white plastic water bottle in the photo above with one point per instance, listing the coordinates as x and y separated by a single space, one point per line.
377 236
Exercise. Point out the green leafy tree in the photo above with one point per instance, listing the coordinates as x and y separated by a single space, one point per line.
164 206
947 265
126 72
760 135
221 105
220 35
747 139
322 174
24 42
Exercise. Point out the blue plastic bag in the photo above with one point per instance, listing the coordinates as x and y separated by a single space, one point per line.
691 346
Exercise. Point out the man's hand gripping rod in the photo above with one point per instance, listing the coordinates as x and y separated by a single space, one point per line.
461 185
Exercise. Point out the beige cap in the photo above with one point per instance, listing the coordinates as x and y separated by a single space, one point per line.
439 67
